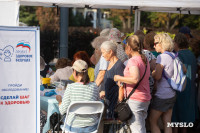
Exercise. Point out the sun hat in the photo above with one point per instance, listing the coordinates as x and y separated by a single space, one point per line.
185 30
80 66
105 32
115 35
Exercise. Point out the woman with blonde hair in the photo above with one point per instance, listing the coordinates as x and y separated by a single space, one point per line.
165 97
134 71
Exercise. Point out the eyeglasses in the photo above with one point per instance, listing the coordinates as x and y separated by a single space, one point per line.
155 43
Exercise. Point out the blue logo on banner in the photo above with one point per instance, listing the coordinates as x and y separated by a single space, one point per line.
6 53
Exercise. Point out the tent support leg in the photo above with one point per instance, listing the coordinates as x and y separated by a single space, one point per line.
64 23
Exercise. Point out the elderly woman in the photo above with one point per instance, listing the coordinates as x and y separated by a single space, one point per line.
82 90
63 70
115 67
116 36
135 69
165 97
101 64
185 112
83 55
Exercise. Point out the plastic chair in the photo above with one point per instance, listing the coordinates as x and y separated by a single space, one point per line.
84 108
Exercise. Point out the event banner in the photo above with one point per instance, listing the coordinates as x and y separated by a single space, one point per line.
19 79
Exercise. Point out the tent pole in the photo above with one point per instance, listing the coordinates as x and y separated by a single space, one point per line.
136 20
64 22
138 23
99 18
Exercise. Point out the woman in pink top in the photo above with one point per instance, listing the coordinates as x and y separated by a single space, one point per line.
140 99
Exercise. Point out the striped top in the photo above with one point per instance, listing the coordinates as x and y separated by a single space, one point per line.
79 92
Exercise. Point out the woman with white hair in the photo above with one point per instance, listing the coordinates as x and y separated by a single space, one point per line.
115 67
165 97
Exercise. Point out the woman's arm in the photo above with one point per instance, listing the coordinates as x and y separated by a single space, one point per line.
152 64
132 79
157 73
100 77
121 92
65 102
184 69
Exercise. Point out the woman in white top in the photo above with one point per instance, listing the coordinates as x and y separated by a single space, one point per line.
64 70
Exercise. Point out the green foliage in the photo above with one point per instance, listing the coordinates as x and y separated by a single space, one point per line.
145 20
28 16
192 21
80 41
157 32
117 23
49 41
78 20
170 34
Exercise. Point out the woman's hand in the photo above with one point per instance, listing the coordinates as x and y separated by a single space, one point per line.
102 94
59 99
116 77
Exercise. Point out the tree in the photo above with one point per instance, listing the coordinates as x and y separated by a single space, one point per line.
27 15
192 21
49 18
78 19
166 20
123 15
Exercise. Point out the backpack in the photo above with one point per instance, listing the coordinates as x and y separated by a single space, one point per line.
178 80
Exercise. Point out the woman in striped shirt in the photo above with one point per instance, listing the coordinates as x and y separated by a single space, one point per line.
82 90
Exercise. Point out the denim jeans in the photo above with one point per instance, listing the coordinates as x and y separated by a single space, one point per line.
137 122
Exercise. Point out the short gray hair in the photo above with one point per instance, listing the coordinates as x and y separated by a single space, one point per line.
166 41
109 45
96 43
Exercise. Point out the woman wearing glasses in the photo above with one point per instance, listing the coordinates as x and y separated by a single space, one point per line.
165 97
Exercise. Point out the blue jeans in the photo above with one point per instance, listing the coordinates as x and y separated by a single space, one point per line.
82 129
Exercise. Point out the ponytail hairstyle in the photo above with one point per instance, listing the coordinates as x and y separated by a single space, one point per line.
85 78
135 43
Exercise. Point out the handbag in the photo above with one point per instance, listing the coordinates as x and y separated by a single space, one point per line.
122 110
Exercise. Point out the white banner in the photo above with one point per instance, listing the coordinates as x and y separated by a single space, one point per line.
19 80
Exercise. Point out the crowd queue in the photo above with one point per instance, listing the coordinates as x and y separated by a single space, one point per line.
120 63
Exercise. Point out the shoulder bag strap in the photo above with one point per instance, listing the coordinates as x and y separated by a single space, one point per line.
136 85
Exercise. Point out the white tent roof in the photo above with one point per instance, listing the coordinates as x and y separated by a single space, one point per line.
167 5
143 5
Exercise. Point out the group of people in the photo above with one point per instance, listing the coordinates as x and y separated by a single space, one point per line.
120 63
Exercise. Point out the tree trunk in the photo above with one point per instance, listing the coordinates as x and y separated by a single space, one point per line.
123 23
168 21
175 23
129 22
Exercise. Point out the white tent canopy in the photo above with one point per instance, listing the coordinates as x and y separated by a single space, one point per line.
143 5
173 6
